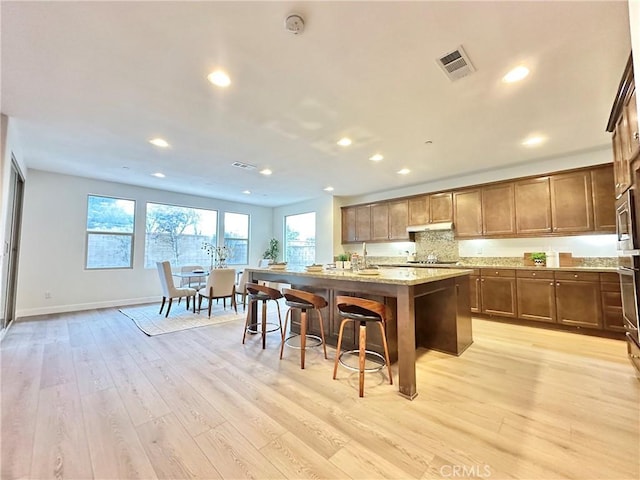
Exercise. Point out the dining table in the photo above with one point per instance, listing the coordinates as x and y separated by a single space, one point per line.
191 275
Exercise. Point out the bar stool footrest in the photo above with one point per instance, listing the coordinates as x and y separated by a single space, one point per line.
368 353
257 329
316 342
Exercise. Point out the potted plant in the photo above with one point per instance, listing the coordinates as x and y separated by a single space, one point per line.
272 252
342 261
539 258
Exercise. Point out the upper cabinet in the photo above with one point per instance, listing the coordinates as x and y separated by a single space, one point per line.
571 202
623 123
564 203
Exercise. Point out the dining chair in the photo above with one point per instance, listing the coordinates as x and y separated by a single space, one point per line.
241 288
193 282
170 291
221 283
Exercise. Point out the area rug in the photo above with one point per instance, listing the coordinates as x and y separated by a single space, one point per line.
148 320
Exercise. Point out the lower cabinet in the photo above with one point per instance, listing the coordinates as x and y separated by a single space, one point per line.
474 291
498 292
536 295
611 302
578 299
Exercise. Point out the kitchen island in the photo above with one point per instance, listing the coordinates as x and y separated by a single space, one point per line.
430 308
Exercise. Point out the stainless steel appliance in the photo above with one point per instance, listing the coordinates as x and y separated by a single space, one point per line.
626 224
629 270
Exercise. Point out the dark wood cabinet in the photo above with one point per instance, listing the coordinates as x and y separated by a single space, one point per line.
349 224
578 299
533 206
536 295
604 205
441 207
498 210
498 292
467 213
571 202
474 291
632 124
380 221
363 223
398 220
611 302
418 210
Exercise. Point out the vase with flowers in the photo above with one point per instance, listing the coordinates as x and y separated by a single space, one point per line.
218 254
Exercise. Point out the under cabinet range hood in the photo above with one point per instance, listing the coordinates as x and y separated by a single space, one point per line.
429 227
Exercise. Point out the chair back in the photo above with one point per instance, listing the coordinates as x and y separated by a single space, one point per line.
240 287
197 281
223 281
166 278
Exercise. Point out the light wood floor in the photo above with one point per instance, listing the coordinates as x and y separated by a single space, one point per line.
87 395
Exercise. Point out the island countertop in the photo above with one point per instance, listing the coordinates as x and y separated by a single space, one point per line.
393 275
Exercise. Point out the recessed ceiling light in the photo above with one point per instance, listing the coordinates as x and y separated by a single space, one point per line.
376 158
404 171
344 142
219 78
516 74
159 142
266 171
533 141
246 192
328 189
158 174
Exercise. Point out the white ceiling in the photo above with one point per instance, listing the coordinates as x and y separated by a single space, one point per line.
89 83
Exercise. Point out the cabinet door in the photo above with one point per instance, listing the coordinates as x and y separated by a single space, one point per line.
604 206
537 299
474 293
363 223
631 112
533 206
441 207
498 296
578 301
571 202
498 210
398 219
419 210
349 224
620 165
380 221
467 213
612 317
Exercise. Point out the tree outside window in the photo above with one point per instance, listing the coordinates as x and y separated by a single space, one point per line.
110 227
177 234
300 239
236 237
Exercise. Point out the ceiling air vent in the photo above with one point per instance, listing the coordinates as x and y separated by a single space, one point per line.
244 166
456 64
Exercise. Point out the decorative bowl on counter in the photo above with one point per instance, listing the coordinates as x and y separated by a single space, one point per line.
314 268
369 271
278 266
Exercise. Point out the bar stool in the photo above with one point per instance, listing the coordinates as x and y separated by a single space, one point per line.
256 293
361 310
303 301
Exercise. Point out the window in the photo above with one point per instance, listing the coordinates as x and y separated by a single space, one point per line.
110 224
236 237
177 234
300 239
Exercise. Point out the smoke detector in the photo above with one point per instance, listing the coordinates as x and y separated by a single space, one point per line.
294 23
456 64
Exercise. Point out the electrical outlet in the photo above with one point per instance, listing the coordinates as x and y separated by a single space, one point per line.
47 295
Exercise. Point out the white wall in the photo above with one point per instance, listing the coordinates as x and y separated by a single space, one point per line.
634 22
325 224
52 252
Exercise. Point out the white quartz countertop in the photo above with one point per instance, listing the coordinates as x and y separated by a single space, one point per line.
388 275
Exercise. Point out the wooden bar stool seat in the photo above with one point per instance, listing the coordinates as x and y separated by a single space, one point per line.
363 311
303 301
262 293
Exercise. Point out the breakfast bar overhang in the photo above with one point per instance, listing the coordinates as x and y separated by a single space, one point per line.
430 306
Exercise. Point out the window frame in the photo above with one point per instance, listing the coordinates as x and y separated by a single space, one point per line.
285 254
224 235
88 233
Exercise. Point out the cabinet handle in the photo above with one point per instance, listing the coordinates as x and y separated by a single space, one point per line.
482 280
575 276
558 284
635 135
533 274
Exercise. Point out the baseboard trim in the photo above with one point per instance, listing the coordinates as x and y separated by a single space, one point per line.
31 312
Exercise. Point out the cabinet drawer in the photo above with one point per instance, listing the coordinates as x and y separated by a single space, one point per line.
498 272
609 287
610 277
542 274
578 276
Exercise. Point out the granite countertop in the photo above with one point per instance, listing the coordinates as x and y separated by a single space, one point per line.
391 275
510 267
